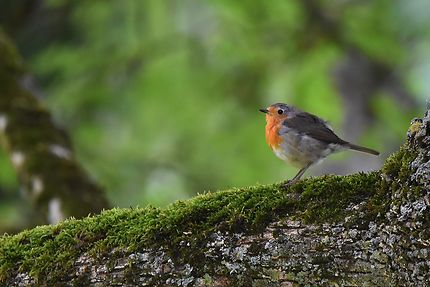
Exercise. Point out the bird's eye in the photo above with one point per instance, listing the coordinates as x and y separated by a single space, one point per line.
280 111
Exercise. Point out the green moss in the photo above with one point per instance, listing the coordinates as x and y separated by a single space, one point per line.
395 174
327 198
9 57
398 165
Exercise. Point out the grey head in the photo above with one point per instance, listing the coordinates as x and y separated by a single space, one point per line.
281 109
286 109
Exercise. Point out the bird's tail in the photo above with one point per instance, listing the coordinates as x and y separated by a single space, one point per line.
362 149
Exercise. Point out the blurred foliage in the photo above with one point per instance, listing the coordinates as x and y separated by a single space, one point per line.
161 97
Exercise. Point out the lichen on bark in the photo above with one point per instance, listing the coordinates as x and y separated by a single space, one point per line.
358 230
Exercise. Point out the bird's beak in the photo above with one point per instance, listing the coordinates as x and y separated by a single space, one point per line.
264 111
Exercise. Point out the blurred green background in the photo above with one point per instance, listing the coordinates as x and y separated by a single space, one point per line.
161 98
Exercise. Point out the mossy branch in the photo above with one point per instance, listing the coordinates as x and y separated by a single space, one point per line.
40 151
363 229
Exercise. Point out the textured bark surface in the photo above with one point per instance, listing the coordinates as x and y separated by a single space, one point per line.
380 238
40 151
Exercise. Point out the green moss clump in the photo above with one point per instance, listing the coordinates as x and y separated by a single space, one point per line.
326 199
395 174
9 57
398 165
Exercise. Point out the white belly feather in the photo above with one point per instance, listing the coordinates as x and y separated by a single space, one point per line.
303 150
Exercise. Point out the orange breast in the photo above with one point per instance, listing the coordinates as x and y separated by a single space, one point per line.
272 127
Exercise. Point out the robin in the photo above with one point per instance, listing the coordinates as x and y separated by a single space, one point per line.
302 139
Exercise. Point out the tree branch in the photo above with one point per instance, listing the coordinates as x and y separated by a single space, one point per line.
40 151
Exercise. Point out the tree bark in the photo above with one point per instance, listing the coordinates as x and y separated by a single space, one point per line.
359 230
40 151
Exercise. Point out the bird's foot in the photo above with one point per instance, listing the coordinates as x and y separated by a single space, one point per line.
289 183
292 195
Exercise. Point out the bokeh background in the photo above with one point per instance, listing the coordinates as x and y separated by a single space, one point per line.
161 98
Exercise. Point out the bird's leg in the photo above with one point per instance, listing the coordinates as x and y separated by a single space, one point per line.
298 175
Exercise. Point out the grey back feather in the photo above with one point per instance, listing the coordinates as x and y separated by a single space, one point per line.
311 125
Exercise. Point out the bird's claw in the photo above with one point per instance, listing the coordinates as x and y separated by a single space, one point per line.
291 195
289 183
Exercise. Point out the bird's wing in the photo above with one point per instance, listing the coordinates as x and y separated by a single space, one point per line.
313 126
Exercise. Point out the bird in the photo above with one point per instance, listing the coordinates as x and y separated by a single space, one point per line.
302 139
